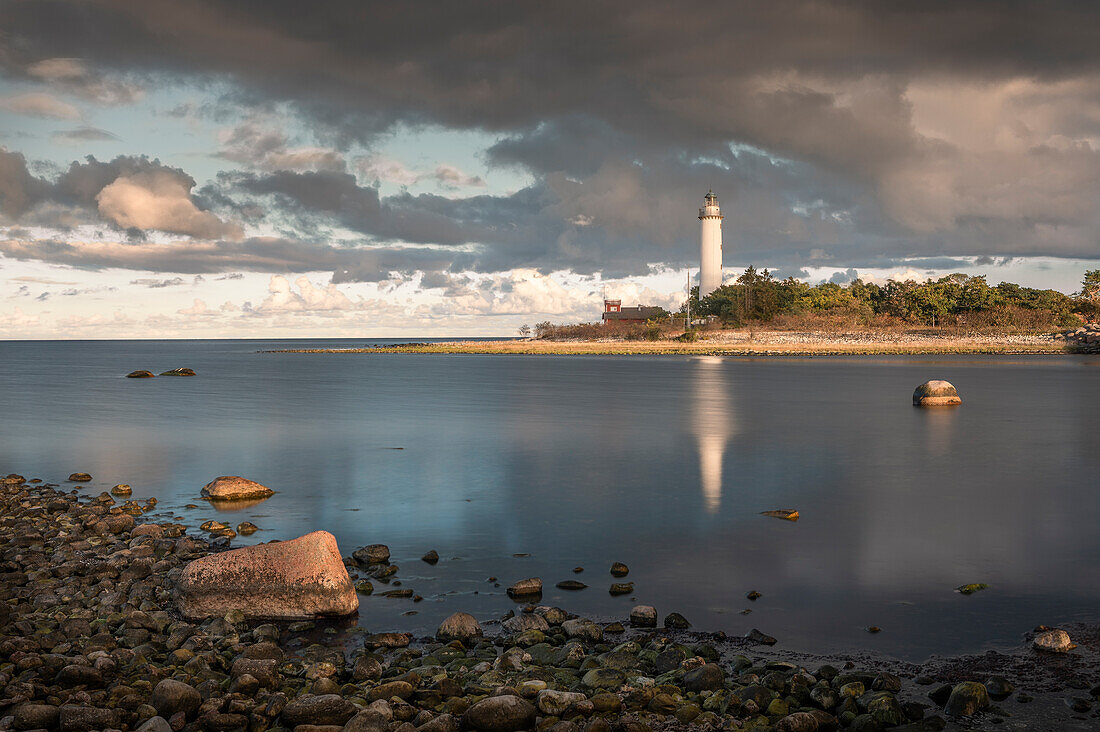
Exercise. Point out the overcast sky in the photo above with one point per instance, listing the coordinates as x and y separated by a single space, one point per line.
180 168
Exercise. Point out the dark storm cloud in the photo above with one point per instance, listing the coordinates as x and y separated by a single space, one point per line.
19 190
78 185
624 117
618 221
131 195
501 64
253 255
83 181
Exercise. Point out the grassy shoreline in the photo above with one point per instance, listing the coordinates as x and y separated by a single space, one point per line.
730 344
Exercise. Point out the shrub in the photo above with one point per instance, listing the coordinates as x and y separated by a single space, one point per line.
651 331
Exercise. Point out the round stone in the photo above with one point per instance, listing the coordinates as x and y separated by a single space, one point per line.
936 393
643 616
967 698
459 626
1053 641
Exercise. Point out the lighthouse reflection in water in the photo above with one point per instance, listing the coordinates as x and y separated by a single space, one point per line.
714 424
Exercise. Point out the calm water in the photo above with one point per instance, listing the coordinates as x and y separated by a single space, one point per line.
663 463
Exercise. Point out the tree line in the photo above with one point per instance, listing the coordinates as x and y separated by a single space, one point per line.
957 299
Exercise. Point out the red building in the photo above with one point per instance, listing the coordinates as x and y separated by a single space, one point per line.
614 312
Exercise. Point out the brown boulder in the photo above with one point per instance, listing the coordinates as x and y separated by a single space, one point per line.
372 554
172 697
296 579
319 709
530 587
936 393
234 488
154 530
459 626
1053 640
500 714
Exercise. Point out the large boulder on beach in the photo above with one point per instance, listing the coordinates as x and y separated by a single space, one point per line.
297 579
36 716
708 677
643 616
524 622
500 714
967 698
234 488
936 393
171 696
79 718
319 709
460 627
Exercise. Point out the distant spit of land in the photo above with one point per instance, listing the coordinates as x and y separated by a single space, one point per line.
743 343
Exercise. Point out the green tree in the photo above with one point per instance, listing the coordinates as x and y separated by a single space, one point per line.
1090 287
864 292
976 295
929 302
692 303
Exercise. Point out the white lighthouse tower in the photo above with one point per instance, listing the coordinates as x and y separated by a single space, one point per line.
710 268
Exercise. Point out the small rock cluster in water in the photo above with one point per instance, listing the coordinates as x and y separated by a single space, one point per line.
90 639
143 374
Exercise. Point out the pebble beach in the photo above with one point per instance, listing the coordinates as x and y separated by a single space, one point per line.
93 638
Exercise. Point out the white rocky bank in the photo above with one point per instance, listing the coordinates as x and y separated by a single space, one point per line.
1085 339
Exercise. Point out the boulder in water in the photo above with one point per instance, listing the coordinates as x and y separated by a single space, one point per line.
787 514
182 371
122 489
140 374
80 477
234 488
936 393
971 588
1053 640
372 554
296 579
529 587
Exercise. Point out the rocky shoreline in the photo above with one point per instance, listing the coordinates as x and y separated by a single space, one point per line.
746 342
1085 339
91 638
